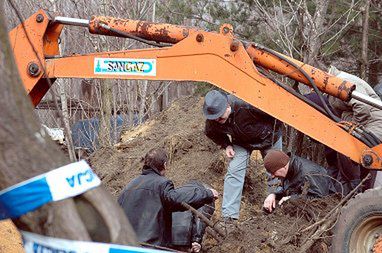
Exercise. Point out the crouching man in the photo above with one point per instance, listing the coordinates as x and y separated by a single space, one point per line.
300 178
149 200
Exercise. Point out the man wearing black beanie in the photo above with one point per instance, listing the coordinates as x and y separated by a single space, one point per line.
300 178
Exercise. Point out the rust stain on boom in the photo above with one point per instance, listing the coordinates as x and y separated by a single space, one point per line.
147 30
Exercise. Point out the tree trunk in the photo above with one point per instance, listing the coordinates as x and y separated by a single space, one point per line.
65 121
165 98
365 40
130 102
142 102
64 103
105 117
296 142
314 28
26 151
106 90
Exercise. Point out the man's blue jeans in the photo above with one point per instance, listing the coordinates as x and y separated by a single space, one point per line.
234 179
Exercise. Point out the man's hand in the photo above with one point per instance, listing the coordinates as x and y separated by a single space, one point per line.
229 151
284 199
270 202
215 193
196 247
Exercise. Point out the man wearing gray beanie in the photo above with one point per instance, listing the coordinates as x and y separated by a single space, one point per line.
300 178
239 128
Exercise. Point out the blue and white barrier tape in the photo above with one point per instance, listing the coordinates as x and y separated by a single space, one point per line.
43 244
65 182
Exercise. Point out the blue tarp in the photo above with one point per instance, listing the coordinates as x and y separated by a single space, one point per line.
85 132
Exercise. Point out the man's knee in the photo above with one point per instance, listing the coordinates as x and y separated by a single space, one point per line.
236 175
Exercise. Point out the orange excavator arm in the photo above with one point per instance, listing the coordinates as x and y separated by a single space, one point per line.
190 54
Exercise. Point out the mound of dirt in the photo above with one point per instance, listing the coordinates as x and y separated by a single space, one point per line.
179 130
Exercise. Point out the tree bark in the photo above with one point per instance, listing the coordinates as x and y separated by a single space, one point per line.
65 121
106 97
314 27
26 151
64 103
105 117
143 99
316 30
365 40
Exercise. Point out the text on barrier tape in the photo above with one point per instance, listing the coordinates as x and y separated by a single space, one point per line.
65 182
34 243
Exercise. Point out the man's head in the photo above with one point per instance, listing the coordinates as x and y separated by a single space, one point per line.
216 106
156 158
276 163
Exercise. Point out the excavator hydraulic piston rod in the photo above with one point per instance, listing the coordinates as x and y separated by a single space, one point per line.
165 33
71 21
366 99
325 82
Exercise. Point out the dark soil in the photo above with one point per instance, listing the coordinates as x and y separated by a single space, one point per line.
193 156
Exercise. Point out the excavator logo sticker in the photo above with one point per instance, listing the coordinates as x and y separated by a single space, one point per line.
125 66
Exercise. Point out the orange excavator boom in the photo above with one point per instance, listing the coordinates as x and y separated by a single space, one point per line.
184 53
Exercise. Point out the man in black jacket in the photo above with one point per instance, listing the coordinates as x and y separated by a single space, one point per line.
300 178
239 128
149 200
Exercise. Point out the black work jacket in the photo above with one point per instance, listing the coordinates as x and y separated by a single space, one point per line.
305 179
149 200
248 127
186 228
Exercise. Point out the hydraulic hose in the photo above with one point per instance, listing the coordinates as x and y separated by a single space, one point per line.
311 81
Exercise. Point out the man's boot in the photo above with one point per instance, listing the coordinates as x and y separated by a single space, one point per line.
228 225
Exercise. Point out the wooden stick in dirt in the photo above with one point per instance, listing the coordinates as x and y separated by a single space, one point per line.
327 221
212 232
204 219
323 228
341 203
